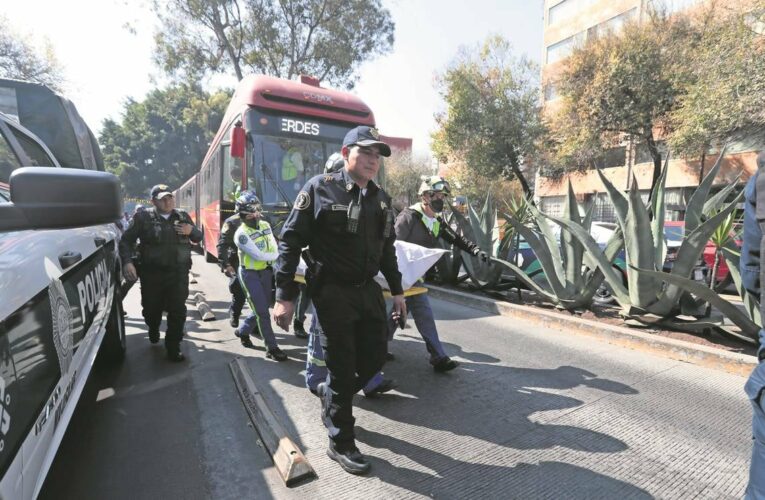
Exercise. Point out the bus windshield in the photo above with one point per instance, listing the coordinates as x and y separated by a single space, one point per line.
283 156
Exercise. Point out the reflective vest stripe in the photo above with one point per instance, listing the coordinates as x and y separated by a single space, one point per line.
257 235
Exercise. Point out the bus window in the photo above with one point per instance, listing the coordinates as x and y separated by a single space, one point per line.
232 174
289 163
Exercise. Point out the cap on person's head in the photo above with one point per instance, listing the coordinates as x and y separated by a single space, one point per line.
761 159
160 191
366 136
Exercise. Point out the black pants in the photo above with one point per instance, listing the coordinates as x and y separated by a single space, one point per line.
237 297
165 290
354 340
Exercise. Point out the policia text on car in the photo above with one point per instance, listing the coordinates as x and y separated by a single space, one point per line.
165 235
346 221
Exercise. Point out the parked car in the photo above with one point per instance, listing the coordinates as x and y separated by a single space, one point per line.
602 232
59 298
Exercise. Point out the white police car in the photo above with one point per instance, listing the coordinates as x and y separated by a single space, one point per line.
59 299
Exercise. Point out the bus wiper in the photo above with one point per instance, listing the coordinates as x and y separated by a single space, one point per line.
270 177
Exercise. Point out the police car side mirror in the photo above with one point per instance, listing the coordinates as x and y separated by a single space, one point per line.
50 198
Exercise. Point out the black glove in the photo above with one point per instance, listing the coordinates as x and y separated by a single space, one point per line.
482 256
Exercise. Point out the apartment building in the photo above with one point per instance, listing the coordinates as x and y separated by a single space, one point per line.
568 23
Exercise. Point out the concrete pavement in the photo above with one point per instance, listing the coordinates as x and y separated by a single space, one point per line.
531 413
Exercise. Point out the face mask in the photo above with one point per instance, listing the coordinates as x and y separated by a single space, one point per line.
437 205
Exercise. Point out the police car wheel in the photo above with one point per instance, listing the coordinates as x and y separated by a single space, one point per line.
113 346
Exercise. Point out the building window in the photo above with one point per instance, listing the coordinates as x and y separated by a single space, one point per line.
672 6
565 10
614 157
604 209
552 205
562 49
616 23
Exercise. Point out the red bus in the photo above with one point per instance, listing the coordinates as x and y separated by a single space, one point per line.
276 134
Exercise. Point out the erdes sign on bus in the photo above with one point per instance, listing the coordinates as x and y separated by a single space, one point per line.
300 127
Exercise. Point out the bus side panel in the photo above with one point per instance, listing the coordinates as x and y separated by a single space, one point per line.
211 223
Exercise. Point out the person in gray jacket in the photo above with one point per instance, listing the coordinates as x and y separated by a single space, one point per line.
422 225
751 277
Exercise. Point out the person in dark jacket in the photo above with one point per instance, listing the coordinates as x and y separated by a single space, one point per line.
751 277
422 225
165 235
345 220
228 259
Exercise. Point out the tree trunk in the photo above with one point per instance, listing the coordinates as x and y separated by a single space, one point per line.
701 168
524 184
656 156
712 280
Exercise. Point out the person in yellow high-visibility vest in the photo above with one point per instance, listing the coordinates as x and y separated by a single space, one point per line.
257 251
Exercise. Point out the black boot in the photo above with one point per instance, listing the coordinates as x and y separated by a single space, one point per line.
233 319
244 339
445 364
174 353
299 330
350 459
276 354
388 384
153 335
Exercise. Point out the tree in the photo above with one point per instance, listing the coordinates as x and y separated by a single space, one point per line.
615 86
162 139
475 187
403 176
492 118
724 89
327 39
19 59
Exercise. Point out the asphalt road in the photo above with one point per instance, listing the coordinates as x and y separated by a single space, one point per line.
530 413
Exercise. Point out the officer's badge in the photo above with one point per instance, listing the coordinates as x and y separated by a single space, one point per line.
374 133
302 201
349 186
383 205
243 239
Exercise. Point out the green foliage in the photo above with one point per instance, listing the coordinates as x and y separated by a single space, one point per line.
19 59
328 39
492 118
723 59
613 86
567 262
483 230
645 248
403 173
163 138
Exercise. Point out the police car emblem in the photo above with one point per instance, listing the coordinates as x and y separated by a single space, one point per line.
243 239
61 316
374 133
302 201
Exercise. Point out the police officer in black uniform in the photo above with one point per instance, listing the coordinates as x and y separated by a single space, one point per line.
346 221
165 235
228 258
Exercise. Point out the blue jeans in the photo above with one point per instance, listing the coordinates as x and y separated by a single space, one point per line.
755 390
257 286
419 307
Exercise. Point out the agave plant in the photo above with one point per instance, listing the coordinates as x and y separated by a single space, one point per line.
749 320
643 230
483 230
572 275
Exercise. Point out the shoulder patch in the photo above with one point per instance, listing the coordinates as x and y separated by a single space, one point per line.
302 201
243 238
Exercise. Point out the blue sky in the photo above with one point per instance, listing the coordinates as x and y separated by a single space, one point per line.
105 64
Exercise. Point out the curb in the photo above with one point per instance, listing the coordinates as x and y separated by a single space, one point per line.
709 357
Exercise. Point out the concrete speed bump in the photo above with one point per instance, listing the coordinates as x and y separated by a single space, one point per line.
289 460
204 309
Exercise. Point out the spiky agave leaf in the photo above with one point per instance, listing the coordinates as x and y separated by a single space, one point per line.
545 255
572 250
644 290
598 258
695 208
658 212
688 255
751 303
740 318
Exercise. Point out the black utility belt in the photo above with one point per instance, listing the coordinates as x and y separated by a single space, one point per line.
267 268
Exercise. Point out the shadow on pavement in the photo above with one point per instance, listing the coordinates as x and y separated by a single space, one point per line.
459 479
